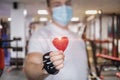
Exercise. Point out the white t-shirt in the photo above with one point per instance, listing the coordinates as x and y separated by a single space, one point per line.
75 64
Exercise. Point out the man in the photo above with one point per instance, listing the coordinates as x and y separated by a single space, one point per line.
45 61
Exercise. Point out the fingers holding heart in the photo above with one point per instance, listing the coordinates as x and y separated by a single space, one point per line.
57 58
56 53
59 66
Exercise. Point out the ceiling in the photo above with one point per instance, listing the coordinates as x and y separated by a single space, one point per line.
80 6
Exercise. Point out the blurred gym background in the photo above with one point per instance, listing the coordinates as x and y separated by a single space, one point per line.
96 21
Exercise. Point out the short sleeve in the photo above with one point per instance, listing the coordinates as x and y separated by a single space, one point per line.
38 43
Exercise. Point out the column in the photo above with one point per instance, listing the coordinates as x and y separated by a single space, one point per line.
17 29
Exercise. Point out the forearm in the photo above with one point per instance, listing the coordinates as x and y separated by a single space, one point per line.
33 67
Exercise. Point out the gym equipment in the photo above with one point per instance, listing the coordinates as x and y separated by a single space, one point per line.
1 61
15 61
101 47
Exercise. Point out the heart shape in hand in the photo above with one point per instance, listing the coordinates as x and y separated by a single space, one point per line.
61 43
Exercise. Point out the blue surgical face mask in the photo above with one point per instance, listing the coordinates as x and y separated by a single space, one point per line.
62 15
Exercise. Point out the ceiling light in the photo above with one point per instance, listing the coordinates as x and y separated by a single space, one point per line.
9 19
42 12
91 12
75 19
25 12
43 19
1 26
99 12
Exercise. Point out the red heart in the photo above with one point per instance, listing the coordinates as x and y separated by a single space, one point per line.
61 43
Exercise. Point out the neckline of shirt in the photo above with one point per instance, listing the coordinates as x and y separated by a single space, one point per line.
57 29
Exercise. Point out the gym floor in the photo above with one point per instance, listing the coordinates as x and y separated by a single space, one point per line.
14 74
19 75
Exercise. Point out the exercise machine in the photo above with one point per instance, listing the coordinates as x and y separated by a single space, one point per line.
105 50
12 61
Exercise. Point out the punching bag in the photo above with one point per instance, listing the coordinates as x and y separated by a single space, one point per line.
1 59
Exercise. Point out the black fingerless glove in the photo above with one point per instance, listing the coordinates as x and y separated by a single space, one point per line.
48 65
